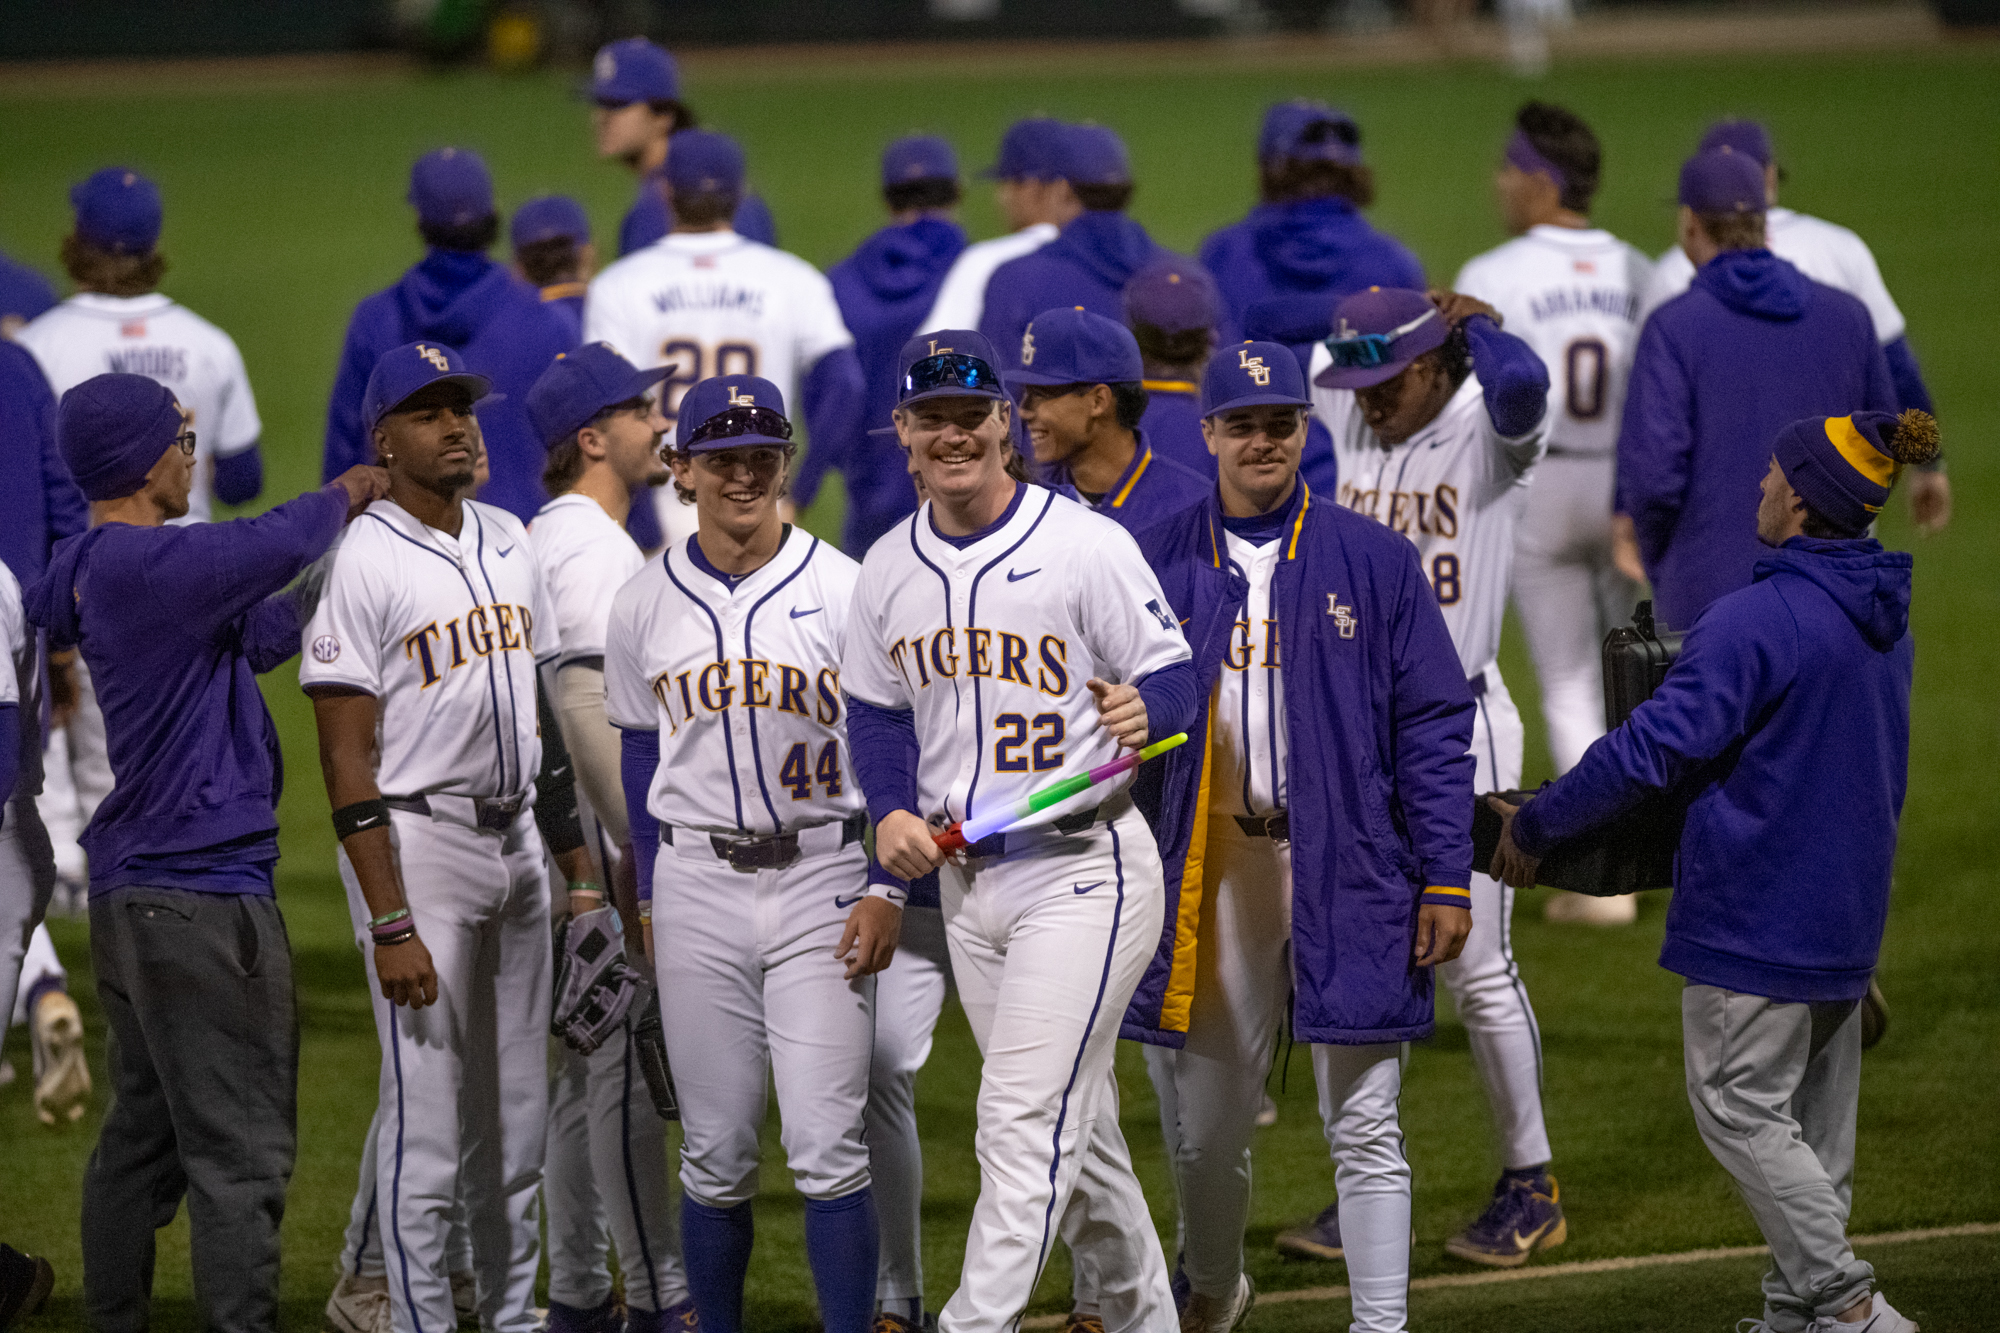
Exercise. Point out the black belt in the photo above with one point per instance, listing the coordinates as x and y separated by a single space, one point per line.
995 844
1558 451
1278 827
491 813
778 851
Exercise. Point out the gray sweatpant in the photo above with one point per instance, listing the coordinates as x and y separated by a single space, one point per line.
1774 1088
204 1063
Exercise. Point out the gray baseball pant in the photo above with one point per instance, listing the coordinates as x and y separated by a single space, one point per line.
1774 1087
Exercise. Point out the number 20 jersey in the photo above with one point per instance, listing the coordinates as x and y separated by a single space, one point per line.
1455 488
1572 295
715 303
743 686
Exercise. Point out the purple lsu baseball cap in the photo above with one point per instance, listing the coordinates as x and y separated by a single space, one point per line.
704 162
633 70
1252 374
947 363
1306 131
919 157
1391 326
451 187
1094 155
402 371
1173 295
548 218
1031 149
1722 180
1069 345
118 210
580 384
1747 137
731 412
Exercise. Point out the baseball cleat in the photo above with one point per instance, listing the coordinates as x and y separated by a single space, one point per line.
6 1071
606 1318
358 1305
25 1280
894 1323
1882 1318
465 1298
1525 1216
1206 1314
1079 1322
1318 1240
1874 1018
676 1318
62 1075
1267 1114
1583 909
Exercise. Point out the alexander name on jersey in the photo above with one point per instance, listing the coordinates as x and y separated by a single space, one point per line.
1557 302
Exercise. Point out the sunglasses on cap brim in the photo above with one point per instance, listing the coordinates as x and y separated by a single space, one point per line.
950 371
740 421
1360 351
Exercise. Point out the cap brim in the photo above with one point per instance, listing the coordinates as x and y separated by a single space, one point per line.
1257 400
1362 377
889 431
734 442
1038 379
480 387
953 391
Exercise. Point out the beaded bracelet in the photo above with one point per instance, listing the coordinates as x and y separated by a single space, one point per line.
587 888
399 937
388 917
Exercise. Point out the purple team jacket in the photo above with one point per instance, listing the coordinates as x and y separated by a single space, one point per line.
1379 772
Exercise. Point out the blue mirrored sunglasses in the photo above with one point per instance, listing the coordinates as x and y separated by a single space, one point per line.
1360 351
740 421
950 371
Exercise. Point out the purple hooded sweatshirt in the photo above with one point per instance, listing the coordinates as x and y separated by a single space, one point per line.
1751 347
1087 265
1313 247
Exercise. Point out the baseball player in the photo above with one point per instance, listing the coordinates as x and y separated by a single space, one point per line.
722 668
458 296
636 89
1444 457
1081 391
553 252
1002 638
1097 251
425 646
1830 253
1305 244
1172 308
1287 870
709 301
603 428
884 288
1036 202
24 294
1571 292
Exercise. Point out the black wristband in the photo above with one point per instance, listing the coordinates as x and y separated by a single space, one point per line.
360 816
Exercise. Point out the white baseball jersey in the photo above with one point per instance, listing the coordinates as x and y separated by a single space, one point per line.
962 299
1249 710
446 633
1573 296
91 335
991 641
17 646
715 303
585 559
1824 251
743 685
1455 488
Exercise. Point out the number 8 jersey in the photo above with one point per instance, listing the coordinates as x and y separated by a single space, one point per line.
741 678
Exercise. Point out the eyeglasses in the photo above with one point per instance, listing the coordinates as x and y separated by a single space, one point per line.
186 441
741 421
950 371
1359 351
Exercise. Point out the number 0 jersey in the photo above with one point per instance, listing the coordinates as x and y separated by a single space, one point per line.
1455 488
1572 295
743 685
445 632
990 640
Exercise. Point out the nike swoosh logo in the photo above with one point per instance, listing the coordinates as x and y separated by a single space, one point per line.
839 901
1012 577
503 551
369 822
1081 889
811 611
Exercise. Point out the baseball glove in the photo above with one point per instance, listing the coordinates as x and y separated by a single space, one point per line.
649 1042
594 986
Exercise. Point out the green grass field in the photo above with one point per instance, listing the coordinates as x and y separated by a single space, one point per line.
285 207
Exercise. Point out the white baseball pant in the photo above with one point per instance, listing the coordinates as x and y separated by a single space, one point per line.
1570 595
1358 1090
1484 981
76 776
1047 945
750 989
27 880
361 1243
909 995
467 1075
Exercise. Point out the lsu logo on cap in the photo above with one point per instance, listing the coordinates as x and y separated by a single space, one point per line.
936 350
1260 374
434 356
1028 347
739 399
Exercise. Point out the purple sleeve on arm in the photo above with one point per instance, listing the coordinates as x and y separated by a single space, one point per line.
270 632
883 743
1909 380
239 477
832 403
639 759
1511 376
1170 697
